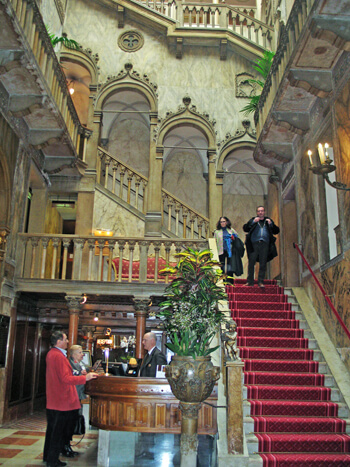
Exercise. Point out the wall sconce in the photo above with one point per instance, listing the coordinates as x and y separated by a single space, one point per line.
325 167
96 317
70 84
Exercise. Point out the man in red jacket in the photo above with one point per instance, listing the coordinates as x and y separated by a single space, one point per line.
62 401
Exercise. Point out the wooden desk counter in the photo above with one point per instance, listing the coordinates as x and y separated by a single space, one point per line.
145 405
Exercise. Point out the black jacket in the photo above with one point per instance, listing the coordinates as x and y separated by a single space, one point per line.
250 226
150 362
237 253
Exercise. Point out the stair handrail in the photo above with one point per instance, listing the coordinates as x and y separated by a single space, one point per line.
341 322
167 194
138 174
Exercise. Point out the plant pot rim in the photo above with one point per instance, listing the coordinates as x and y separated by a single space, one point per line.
188 357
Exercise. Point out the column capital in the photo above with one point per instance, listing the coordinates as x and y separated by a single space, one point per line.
141 305
74 302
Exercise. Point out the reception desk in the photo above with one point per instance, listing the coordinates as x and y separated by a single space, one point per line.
144 405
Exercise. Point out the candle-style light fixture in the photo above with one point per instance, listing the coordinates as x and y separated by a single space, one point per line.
326 166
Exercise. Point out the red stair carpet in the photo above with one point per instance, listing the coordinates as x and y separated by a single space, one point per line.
294 419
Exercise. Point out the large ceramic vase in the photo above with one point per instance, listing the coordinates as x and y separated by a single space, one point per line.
191 381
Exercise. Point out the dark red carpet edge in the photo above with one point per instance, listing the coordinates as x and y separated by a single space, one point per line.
294 419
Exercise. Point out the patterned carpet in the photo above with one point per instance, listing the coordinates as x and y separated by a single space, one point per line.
294 419
22 441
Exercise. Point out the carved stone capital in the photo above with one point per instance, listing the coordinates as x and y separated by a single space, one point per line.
74 303
141 305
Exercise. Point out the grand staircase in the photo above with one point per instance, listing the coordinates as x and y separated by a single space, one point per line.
294 413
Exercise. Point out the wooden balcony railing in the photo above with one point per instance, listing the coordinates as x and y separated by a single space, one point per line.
297 19
131 186
213 16
33 32
91 258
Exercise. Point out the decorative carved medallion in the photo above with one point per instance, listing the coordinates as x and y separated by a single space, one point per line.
243 87
130 41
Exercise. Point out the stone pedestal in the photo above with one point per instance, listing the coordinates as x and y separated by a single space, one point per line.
234 398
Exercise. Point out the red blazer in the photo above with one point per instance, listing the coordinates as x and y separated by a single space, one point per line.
61 393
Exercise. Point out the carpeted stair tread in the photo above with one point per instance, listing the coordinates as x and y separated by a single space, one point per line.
295 379
293 408
290 442
294 419
271 353
270 332
300 366
262 314
264 341
306 460
270 289
251 305
306 393
298 424
266 298
267 322
244 281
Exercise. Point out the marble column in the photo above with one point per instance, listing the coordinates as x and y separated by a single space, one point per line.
153 223
141 306
74 307
234 395
214 198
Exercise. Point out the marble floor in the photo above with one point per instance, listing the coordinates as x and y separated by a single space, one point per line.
21 445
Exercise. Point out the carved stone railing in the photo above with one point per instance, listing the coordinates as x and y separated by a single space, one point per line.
296 21
95 258
131 186
31 28
213 16
122 180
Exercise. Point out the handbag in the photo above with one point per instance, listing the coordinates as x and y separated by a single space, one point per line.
80 425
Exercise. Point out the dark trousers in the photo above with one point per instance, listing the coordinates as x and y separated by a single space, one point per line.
260 249
60 425
226 265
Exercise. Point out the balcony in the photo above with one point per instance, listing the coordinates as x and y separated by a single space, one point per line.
310 61
33 89
72 264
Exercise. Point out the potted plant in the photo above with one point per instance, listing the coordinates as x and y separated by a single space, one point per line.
191 318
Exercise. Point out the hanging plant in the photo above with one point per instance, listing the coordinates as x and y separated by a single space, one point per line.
69 43
262 66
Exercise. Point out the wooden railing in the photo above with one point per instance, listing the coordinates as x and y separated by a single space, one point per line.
131 186
297 19
214 15
33 32
95 258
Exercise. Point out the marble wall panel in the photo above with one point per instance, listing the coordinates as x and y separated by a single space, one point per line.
272 210
307 212
129 141
110 215
209 82
342 160
183 177
335 280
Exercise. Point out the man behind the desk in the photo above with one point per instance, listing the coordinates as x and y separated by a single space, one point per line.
62 401
153 356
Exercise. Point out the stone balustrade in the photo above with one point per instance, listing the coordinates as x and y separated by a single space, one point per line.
213 16
122 180
296 21
131 186
96 258
33 33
